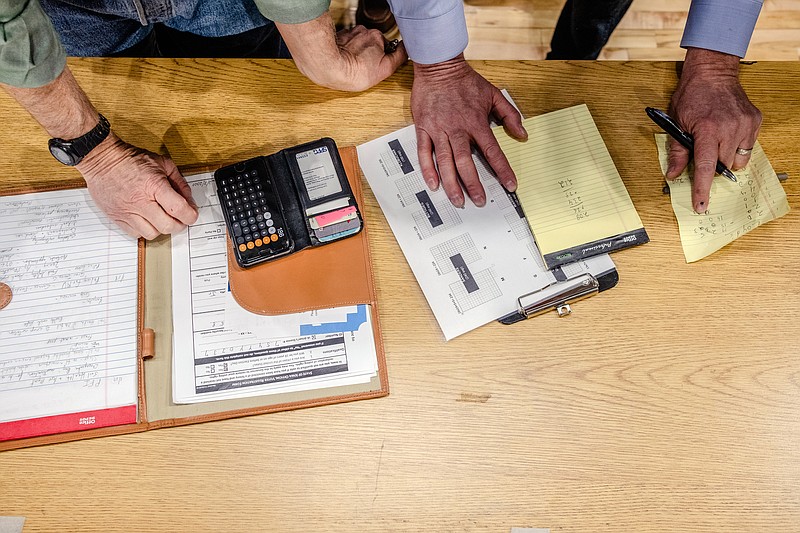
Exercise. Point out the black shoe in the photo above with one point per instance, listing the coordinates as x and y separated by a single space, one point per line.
375 14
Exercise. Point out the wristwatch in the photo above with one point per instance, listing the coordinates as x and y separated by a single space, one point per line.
72 152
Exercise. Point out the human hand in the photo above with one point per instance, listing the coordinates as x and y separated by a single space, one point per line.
711 104
350 60
143 192
364 59
452 105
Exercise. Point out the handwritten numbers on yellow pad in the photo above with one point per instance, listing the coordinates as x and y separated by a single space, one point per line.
733 208
568 185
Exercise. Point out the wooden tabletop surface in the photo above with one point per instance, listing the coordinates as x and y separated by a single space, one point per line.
671 403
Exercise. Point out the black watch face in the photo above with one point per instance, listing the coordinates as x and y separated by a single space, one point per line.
60 153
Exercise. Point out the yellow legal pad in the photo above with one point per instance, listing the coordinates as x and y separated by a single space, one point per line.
733 208
569 188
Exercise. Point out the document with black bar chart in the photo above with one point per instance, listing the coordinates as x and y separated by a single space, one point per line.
472 263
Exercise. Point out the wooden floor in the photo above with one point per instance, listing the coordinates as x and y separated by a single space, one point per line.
651 30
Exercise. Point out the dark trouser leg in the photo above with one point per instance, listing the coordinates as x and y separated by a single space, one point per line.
147 47
584 28
265 41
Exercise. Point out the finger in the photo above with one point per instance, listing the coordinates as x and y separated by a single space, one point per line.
489 147
740 161
426 165
173 202
508 115
159 219
345 36
677 159
388 64
447 171
367 41
127 228
142 227
727 150
392 61
706 152
462 154
356 31
179 183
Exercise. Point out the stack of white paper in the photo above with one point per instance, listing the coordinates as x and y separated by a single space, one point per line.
223 351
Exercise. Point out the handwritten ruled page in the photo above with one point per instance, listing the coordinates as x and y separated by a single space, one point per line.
568 185
733 208
68 337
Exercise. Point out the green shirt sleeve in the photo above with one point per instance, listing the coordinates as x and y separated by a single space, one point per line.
292 11
31 54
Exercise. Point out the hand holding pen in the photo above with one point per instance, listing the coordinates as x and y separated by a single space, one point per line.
710 104
686 140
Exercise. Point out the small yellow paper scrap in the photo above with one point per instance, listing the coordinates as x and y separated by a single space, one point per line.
733 208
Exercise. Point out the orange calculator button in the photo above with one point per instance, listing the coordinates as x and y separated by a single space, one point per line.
274 237
242 247
250 245
258 242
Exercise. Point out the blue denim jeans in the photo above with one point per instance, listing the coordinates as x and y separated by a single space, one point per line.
171 28
584 26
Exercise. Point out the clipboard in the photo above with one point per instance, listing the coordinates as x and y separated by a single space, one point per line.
560 295
155 408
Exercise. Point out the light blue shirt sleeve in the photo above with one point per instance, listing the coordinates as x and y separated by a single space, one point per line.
721 25
433 30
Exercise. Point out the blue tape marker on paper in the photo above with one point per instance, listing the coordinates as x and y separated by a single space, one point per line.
354 321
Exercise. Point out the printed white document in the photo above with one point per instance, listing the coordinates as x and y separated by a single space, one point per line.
472 263
224 351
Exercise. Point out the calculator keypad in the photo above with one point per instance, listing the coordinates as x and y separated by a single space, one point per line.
254 229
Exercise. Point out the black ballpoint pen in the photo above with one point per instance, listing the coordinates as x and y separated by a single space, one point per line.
668 124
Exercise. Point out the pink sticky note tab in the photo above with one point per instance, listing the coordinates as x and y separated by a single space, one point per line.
329 218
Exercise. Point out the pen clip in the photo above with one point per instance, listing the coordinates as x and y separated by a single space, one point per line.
558 296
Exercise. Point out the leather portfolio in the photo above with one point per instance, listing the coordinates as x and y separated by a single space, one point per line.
337 274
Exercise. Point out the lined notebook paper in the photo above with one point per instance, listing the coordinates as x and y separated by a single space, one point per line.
733 208
68 337
573 197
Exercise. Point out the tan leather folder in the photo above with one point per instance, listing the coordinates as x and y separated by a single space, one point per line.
347 262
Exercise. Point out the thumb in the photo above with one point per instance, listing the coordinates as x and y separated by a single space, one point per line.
677 159
393 60
508 115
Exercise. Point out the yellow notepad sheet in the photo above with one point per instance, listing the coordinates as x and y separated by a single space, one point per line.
572 195
733 208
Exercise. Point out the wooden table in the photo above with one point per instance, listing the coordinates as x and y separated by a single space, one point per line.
671 403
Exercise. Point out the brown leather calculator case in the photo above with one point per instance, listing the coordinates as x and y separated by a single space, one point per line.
333 275
336 274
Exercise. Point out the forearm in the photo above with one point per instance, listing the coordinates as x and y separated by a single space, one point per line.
313 46
61 107
350 60
142 192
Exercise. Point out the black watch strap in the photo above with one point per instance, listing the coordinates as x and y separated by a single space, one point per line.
78 148
89 140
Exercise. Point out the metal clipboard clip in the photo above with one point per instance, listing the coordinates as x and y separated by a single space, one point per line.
557 296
